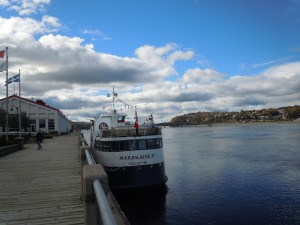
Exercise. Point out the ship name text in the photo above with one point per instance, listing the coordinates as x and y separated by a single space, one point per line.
137 157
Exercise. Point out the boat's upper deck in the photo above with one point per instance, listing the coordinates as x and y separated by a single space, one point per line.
131 131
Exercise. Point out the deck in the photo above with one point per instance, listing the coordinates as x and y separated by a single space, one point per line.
42 187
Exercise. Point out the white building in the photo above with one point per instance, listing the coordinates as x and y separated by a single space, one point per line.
41 116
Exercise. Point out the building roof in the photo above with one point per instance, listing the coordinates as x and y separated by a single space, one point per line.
38 102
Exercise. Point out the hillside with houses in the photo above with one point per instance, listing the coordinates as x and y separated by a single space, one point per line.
290 113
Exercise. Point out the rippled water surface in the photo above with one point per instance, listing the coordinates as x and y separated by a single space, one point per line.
233 174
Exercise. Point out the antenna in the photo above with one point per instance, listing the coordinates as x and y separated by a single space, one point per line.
113 97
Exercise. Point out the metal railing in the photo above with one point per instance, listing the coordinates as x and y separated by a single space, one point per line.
104 208
103 205
90 160
100 205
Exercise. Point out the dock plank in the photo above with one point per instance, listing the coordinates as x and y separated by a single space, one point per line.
42 187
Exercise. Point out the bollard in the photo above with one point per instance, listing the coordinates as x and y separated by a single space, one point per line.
82 153
20 142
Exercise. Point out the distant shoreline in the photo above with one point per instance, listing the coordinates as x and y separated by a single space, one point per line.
239 123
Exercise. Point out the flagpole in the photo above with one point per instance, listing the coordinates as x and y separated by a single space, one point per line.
20 111
19 83
6 93
136 123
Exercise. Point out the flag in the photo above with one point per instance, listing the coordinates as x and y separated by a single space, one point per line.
15 78
136 124
2 52
115 94
3 66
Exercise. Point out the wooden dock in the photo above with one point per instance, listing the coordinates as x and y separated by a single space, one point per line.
42 187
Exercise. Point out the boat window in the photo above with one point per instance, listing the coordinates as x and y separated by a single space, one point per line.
97 145
150 144
123 146
157 143
132 145
121 119
114 146
142 144
104 146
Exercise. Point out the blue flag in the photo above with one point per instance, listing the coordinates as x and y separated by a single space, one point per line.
15 78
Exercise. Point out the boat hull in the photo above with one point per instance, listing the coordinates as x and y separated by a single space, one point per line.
131 161
134 169
140 177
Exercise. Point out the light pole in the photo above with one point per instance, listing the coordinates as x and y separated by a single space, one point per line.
11 109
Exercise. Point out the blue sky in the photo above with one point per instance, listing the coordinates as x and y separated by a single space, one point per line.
168 57
233 36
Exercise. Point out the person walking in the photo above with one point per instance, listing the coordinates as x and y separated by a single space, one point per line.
39 139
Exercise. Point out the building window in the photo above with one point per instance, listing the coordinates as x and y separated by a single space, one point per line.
51 125
42 123
32 125
32 122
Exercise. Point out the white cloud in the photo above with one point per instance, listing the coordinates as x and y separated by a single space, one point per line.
17 29
284 71
4 3
264 63
197 75
59 42
74 77
162 58
25 7
51 23
97 33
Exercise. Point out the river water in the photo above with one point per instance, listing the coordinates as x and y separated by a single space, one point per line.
231 174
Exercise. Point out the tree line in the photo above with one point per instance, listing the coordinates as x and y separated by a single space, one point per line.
272 114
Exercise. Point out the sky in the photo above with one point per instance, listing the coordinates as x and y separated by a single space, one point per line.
168 57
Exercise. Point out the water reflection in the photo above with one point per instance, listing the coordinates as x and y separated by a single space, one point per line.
245 174
143 206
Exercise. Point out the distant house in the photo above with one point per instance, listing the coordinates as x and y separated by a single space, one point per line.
41 115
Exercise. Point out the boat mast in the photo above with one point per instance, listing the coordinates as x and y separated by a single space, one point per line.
113 98
114 111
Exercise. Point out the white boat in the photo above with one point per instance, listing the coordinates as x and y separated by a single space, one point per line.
131 153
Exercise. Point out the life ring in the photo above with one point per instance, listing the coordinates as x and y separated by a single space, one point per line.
103 126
